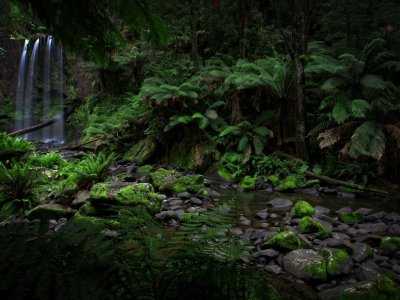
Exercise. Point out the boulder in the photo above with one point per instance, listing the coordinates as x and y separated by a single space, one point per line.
171 181
50 211
361 251
285 241
350 218
280 204
337 261
302 209
374 288
141 151
305 264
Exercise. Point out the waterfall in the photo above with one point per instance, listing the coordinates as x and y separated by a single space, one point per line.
40 90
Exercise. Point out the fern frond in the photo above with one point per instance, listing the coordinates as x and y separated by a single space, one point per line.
359 107
369 140
332 136
394 132
341 111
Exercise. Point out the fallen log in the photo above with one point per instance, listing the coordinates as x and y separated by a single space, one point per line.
81 145
344 183
37 127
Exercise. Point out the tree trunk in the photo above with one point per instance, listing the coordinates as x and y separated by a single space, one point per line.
36 127
245 8
298 50
193 37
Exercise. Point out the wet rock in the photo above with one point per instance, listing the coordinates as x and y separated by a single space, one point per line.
325 286
81 197
244 221
166 215
175 201
280 204
364 211
284 241
346 195
309 191
320 210
361 251
370 239
271 253
302 209
273 216
338 243
305 264
367 289
393 217
209 192
257 234
370 264
329 191
373 227
364 273
346 210
394 229
262 215
389 245
337 261
274 269
353 232
50 211
341 227
375 216
184 195
180 213
196 201
236 231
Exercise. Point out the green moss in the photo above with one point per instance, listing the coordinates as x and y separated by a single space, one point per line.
172 181
311 225
302 209
248 183
141 151
101 222
334 259
100 190
317 271
285 241
351 218
381 288
291 182
145 168
50 211
223 173
87 210
274 179
394 240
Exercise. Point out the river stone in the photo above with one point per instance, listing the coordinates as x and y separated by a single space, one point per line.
311 225
361 251
376 216
364 273
305 264
284 241
338 243
209 192
166 215
274 268
175 201
390 245
302 209
364 211
373 227
394 229
50 211
244 221
81 197
393 217
271 253
262 214
337 261
371 239
280 203
196 201
341 227
320 210
374 288
346 210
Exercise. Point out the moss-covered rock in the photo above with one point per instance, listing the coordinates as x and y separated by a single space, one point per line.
124 193
50 211
274 179
97 221
145 168
390 245
225 175
337 261
248 183
141 151
290 183
311 225
305 264
174 182
302 209
285 241
379 287
88 210
350 218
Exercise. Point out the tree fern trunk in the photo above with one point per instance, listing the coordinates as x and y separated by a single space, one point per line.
298 50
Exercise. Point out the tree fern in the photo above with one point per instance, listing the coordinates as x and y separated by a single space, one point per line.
368 139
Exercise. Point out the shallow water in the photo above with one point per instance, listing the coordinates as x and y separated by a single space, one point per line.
249 203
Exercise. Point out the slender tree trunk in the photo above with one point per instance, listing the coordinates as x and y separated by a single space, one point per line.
298 50
236 112
193 37
245 8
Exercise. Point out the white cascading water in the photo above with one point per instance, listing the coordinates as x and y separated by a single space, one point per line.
40 90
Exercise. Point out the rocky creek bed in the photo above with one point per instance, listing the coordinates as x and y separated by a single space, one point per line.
328 254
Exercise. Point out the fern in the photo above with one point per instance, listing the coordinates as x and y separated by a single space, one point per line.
13 147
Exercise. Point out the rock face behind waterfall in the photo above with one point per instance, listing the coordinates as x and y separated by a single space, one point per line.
39 91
